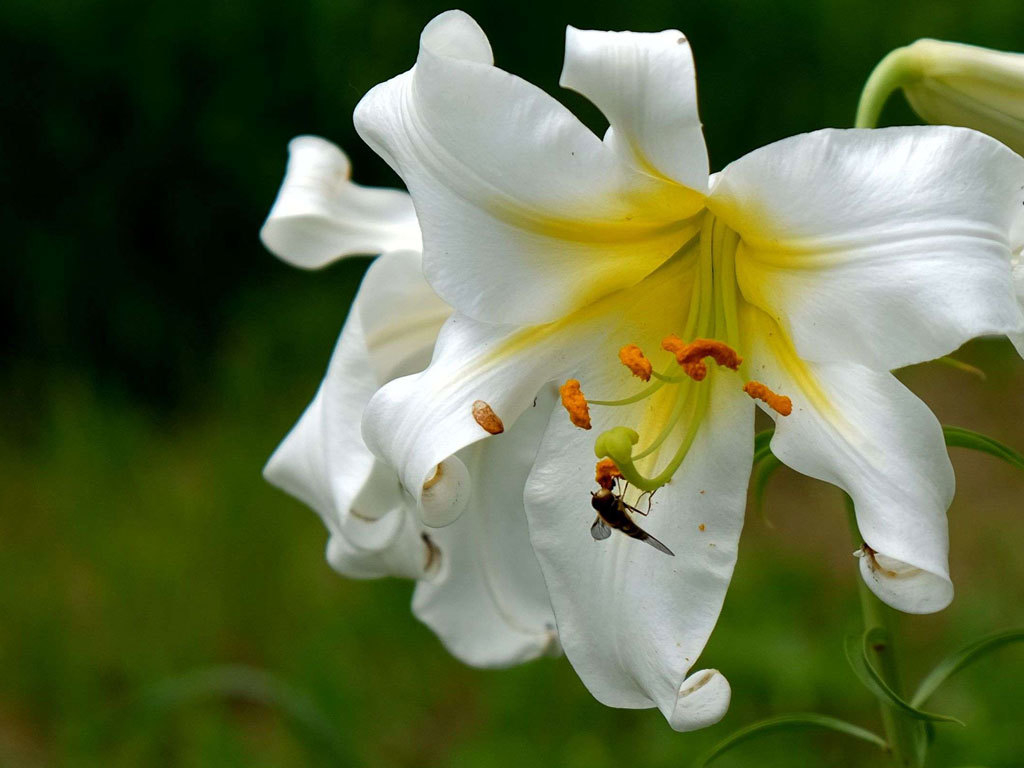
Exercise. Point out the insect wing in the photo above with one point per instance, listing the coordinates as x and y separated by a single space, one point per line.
599 530
644 536
635 531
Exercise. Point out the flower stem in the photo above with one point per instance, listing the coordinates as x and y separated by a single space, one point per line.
892 72
903 734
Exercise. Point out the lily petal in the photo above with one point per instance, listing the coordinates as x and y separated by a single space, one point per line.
417 422
645 85
863 431
489 604
633 621
405 554
886 247
320 215
1018 282
480 588
323 461
549 217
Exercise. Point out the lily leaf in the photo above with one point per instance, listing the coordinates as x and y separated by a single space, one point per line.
857 655
957 661
958 437
761 441
762 473
796 721
960 365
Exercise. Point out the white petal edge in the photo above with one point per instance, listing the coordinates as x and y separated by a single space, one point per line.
1018 281
480 588
885 247
549 217
320 215
645 84
866 433
406 555
489 603
323 461
904 587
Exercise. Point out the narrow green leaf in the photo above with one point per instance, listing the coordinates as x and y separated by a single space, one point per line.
796 721
960 365
958 437
957 661
762 473
857 654
762 439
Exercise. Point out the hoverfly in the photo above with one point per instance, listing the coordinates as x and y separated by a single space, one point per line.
614 512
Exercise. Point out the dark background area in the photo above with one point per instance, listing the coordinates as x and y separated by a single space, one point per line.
143 143
153 354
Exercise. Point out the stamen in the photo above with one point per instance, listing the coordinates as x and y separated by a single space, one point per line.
605 473
575 403
434 479
633 358
487 418
778 403
691 356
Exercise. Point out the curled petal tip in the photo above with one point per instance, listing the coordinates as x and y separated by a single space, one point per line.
445 493
702 700
903 586
455 34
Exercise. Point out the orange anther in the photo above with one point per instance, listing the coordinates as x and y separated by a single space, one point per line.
575 403
633 358
487 418
605 473
691 356
778 403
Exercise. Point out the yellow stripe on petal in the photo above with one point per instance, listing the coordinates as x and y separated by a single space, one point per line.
773 340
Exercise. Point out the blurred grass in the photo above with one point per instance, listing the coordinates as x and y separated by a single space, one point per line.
138 551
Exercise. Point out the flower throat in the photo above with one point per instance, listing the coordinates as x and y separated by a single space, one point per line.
712 327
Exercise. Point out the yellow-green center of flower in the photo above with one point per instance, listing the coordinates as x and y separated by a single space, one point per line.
711 333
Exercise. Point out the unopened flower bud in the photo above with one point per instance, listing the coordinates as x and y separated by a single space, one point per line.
953 84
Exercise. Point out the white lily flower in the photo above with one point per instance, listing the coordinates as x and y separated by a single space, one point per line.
825 260
479 584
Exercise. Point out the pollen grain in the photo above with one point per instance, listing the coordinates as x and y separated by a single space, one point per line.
605 473
778 403
575 403
487 418
633 358
691 356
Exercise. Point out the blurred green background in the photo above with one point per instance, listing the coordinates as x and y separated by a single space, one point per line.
161 605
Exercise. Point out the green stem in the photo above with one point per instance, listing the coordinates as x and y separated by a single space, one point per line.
902 733
894 71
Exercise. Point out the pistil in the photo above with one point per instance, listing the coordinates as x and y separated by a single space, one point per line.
712 328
